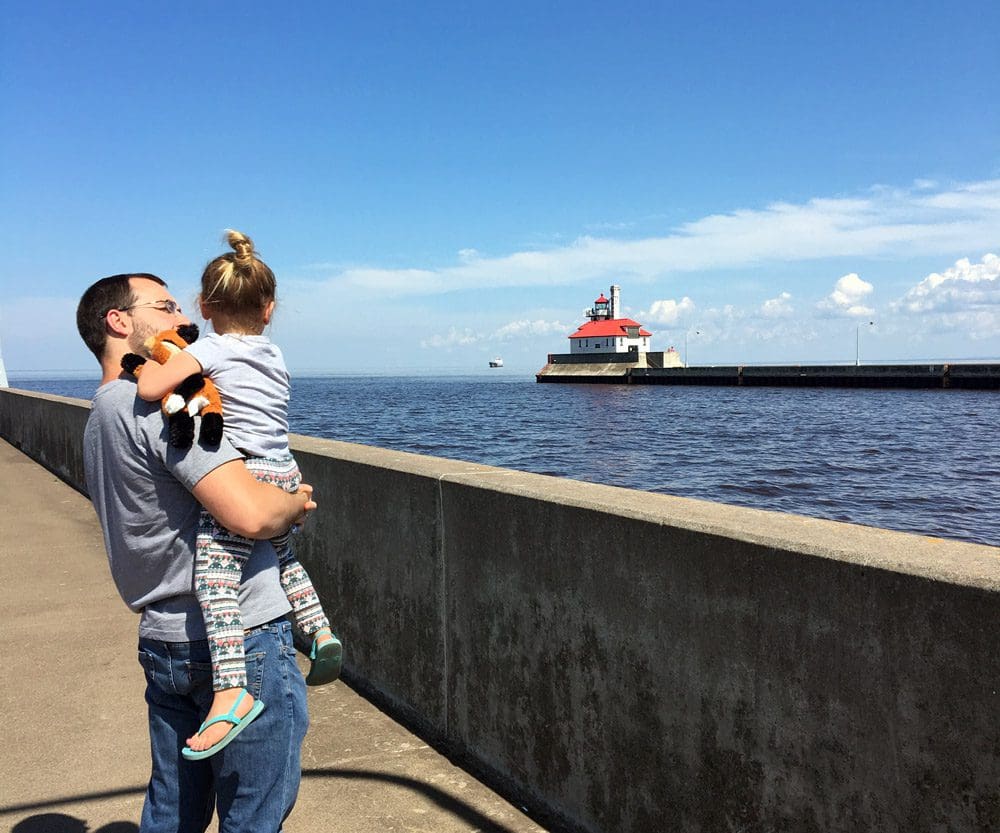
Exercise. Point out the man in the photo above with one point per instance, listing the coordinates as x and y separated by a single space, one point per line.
148 497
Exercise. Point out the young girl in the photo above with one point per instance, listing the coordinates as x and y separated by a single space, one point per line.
237 296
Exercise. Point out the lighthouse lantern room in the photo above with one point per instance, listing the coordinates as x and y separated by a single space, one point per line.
606 332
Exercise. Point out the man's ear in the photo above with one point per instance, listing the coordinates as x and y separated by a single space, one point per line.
117 323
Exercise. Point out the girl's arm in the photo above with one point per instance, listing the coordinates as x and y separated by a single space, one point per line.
157 380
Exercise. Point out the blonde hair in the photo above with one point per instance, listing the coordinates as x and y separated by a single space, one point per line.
238 284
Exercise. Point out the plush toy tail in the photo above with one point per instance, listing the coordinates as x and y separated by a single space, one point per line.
180 429
211 415
211 429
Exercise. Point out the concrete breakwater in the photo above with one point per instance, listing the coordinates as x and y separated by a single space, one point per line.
625 661
622 368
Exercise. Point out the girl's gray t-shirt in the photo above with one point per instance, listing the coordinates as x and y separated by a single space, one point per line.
141 489
250 373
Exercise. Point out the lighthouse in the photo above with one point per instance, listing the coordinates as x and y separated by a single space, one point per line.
607 332
607 347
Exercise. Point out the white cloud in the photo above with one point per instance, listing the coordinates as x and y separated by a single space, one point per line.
512 331
847 296
921 220
964 286
667 312
963 299
779 307
749 330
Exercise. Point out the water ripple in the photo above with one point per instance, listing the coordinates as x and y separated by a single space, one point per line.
917 461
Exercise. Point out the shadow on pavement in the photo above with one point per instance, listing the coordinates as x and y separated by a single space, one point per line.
59 823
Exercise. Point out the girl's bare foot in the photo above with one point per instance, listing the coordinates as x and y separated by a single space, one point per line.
222 704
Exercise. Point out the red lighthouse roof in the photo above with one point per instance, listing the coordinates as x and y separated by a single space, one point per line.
612 328
602 300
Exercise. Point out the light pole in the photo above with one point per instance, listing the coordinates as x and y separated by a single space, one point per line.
697 333
857 344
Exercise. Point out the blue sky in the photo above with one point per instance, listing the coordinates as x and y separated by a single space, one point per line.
435 184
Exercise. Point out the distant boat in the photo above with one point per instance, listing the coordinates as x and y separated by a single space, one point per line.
497 362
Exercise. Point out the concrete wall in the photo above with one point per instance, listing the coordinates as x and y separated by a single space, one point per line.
48 429
636 662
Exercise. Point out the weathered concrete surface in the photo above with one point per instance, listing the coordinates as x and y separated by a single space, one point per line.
49 428
722 375
556 362
591 367
639 662
636 662
616 372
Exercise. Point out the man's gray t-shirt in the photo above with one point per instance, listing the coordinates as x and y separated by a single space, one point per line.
140 487
250 373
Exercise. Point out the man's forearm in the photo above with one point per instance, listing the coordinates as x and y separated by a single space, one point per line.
245 506
269 514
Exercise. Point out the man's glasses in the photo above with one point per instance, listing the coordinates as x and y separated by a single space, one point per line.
167 306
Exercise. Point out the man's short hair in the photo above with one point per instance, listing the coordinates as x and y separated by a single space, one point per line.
105 295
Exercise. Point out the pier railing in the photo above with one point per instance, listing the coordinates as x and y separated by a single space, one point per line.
636 662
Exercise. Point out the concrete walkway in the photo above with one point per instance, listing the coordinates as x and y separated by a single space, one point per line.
75 754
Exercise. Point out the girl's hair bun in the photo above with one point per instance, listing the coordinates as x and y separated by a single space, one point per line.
238 284
241 244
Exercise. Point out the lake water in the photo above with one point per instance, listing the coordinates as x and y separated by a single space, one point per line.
923 461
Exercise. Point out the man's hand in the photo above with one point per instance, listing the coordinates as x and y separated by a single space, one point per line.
306 491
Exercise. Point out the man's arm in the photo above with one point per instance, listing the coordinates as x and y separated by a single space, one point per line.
247 507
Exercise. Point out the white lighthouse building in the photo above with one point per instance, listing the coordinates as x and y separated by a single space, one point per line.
607 332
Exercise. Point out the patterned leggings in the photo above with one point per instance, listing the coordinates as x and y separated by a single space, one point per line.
218 570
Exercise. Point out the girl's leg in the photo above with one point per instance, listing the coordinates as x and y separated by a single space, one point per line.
218 569
307 610
306 606
327 652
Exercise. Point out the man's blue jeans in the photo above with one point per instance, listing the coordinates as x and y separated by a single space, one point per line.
253 782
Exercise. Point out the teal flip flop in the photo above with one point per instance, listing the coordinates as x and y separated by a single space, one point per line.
327 659
239 724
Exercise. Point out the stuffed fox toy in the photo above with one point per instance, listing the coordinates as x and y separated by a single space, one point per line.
197 394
